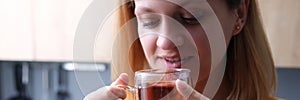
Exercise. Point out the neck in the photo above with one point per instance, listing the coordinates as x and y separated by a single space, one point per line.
223 91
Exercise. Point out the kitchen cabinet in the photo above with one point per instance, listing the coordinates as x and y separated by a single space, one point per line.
55 25
16 35
281 21
44 30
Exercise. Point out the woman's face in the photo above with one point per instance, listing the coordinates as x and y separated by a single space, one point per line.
172 37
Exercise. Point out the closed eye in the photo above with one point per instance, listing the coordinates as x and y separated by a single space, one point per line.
191 20
151 23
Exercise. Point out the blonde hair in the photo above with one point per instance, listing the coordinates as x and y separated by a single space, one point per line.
128 56
250 66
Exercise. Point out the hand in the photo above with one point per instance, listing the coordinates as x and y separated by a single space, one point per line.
188 92
112 92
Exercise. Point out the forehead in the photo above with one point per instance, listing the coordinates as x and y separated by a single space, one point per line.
170 2
179 2
169 5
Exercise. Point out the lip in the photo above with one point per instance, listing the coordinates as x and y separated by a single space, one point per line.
174 64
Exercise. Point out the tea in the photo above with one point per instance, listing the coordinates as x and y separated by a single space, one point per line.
159 84
156 91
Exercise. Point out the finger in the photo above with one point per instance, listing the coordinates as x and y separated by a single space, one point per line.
117 92
106 93
121 80
183 89
188 92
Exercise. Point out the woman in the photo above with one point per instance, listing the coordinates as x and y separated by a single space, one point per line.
249 73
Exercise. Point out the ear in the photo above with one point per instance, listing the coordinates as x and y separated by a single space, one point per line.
241 14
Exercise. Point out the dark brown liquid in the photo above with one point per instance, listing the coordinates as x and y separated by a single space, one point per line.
156 91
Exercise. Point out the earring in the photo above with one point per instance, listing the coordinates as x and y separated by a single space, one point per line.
238 27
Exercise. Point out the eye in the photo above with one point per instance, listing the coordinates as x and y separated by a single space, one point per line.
151 23
190 20
148 20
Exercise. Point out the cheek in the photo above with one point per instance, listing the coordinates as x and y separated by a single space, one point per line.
225 16
228 22
204 51
149 45
228 30
201 41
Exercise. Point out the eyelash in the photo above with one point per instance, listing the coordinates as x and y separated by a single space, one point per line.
152 23
189 21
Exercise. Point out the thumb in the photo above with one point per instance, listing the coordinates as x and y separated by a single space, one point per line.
188 92
121 80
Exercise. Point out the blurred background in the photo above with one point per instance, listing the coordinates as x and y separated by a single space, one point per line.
37 59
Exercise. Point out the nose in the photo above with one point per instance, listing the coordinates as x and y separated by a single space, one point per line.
169 42
170 36
165 43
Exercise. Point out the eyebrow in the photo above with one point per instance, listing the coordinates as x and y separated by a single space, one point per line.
142 10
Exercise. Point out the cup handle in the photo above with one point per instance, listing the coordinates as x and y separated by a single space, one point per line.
132 90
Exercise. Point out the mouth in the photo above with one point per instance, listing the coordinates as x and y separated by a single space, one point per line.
173 59
174 62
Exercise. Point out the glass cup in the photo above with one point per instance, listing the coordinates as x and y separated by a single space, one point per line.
158 84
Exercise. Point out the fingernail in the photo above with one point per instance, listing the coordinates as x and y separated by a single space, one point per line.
124 77
181 85
183 88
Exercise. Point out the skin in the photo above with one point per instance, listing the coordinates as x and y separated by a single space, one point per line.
160 47
157 47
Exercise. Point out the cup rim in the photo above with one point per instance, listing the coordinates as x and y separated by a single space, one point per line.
163 71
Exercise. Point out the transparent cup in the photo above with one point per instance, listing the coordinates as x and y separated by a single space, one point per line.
158 84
